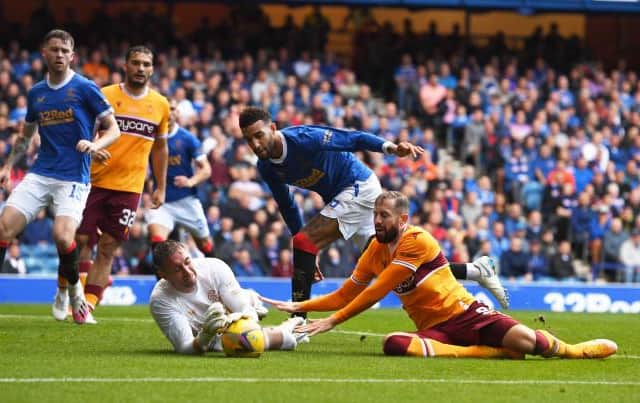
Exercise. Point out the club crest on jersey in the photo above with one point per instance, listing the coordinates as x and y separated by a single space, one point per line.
70 96
212 296
326 138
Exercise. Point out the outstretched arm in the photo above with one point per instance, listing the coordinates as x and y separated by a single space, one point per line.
333 139
328 302
388 280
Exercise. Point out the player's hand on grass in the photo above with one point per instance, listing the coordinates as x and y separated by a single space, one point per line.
284 306
182 181
157 198
86 146
101 156
316 326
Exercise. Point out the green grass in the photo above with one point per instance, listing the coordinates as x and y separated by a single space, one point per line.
127 344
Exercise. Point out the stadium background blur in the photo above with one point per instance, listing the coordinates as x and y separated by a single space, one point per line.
532 130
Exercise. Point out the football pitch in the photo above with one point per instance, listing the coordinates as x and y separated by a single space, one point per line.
125 358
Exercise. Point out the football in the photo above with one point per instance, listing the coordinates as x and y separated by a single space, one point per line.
243 338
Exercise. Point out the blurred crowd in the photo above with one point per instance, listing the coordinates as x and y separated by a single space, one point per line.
532 152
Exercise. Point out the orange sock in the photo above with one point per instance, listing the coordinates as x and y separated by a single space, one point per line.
93 295
412 345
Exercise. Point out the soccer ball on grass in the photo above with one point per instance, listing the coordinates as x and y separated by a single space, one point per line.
243 338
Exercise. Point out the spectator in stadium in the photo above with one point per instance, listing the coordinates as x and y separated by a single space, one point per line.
39 230
538 263
611 244
561 266
630 256
14 263
449 321
192 320
514 261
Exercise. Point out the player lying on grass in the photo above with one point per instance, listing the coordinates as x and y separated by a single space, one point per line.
196 299
449 322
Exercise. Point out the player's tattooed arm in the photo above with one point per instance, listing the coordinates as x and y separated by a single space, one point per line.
20 147
22 143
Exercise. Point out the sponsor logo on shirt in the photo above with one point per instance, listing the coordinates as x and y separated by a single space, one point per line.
310 180
55 117
135 126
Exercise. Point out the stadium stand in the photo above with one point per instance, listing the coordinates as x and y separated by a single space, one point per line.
529 144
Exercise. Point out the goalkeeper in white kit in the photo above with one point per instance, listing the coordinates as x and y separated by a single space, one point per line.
196 299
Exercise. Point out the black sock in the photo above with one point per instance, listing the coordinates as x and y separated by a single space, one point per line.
459 270
3 250
304 266
68 267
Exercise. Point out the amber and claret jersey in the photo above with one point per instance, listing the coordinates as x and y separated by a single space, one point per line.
141 120
429 292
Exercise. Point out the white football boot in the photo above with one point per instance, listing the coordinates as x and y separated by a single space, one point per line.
290 324
60 306
489 279
79 307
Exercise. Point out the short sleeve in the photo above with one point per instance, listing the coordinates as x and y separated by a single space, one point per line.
363 273
415 249
31 113
96 101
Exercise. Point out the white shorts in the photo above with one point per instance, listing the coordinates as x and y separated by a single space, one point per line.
36 192
353 208
187 212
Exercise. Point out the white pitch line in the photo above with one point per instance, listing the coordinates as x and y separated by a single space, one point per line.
143 320
320 380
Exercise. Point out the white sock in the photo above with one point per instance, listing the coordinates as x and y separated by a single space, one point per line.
288 341
473 273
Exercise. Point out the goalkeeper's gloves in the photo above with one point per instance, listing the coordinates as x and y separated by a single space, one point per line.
234 316
215 319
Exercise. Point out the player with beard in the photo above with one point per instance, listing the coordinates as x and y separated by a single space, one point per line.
63 109
449 321
320 159
118 175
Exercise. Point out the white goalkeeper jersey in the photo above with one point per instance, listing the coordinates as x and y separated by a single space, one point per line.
180 315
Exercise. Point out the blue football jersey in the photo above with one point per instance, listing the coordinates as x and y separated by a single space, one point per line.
317 158
184 147
65 114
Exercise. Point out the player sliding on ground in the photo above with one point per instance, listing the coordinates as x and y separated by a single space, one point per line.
196 299
320 159
449 322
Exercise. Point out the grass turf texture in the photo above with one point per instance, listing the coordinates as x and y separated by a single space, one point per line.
346 365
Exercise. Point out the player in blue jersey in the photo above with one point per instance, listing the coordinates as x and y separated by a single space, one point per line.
63 109
320 159
181 204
